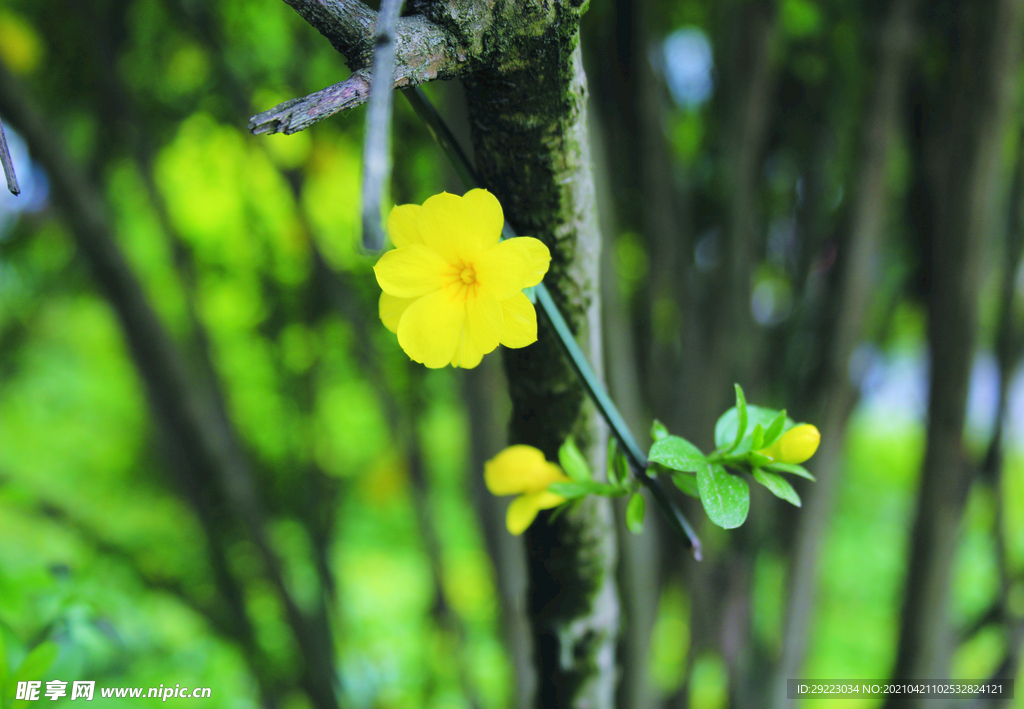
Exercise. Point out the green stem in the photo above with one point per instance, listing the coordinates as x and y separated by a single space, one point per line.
637 460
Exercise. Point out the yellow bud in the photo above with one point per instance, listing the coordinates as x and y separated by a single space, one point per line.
794 446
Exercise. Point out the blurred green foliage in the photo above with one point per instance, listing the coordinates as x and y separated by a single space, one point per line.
99 552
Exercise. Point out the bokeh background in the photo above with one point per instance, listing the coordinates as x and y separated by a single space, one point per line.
337 548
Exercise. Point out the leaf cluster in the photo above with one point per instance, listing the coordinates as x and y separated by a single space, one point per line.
717 478
582 483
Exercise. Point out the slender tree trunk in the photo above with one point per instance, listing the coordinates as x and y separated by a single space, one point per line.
528 117
859 276
965 182
720 338
638 573
488 436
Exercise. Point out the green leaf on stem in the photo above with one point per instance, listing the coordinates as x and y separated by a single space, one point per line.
3 671
757 460
778 486
36 663
635 509
728 426
687 483
757 438
563 508
741 413
789 468
678 454
580 488
726 497
775 429
618 467
658 430
572 461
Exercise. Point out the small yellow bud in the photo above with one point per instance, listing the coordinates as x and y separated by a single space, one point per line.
794 446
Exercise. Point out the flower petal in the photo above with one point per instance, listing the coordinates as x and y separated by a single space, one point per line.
540 256
458 228
520 468
481 332
546 500
519 322
524 509
404 225
391 310
520 514
488 217
484 320
505 269
430 328
509 472
411 271
466 354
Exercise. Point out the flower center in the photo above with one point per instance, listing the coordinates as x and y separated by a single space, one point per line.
468 275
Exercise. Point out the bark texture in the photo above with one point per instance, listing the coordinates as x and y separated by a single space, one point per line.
528 119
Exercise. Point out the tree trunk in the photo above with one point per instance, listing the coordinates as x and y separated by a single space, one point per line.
859 276
965 182
528 118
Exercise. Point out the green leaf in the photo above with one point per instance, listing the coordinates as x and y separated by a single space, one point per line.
635 509
741 414
618 467
790 468
778 485
36 663
775 429
569 490
757 460
726 497
658 430
580 488
728 426
757 438
687 483
3 671
573 462
563 508
677 453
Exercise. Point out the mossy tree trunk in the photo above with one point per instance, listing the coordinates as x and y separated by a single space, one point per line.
528 118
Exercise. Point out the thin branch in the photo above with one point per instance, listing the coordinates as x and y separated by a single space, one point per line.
300 113
422 52
5 158
376 148
347 25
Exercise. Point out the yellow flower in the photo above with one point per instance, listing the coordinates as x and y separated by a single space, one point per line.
522 470
794 446
452 290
